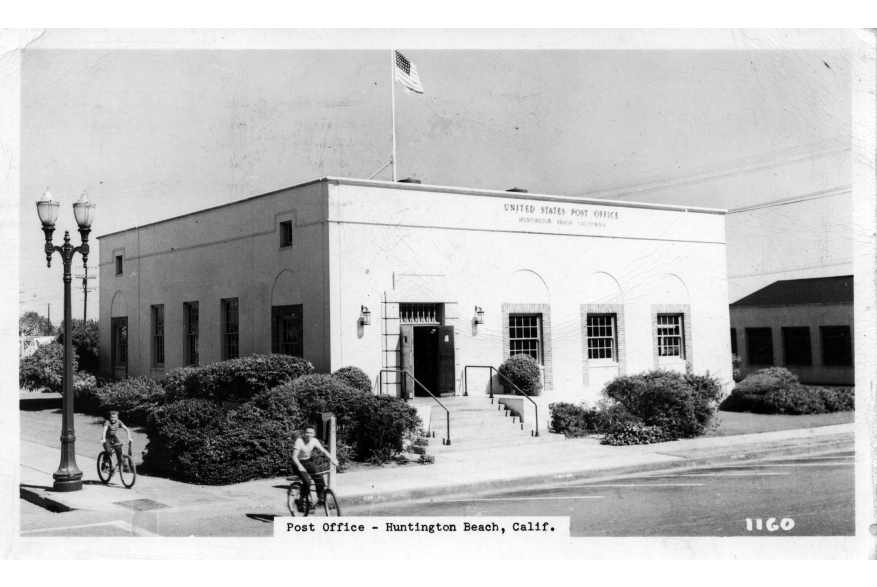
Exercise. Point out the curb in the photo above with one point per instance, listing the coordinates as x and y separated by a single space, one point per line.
750 454
38 497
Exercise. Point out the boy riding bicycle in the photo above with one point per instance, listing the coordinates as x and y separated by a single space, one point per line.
303 464
110 438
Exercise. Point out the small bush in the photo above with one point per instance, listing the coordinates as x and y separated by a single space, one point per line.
355 378
523 371
682 406
777 391
234 380
577 421
44 368
736 362
134 398
626 433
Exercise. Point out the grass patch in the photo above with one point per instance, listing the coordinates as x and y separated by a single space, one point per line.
734 423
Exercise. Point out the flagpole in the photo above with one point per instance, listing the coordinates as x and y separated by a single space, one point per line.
393 85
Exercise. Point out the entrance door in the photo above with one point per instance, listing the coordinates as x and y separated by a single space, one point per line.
447 383
406 347
426 360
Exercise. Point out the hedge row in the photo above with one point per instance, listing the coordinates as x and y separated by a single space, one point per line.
778 391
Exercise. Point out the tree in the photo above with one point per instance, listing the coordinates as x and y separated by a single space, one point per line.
86 343
32 324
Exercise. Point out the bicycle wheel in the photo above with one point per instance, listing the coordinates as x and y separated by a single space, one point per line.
292 496
104 467
128 472
330 504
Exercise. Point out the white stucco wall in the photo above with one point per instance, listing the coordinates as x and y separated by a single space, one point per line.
474 248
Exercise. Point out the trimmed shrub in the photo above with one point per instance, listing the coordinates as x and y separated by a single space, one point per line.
366 422
86 343
355 378
44 368
134 398
179 434
234 380
838 399
523 371
777 391
682 406
626 433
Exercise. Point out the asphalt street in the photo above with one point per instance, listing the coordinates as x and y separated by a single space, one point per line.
815 492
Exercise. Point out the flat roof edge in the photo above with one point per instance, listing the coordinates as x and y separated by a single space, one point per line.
440 189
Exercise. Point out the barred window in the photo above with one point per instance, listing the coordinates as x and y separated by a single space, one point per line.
190 311
601 336
420 313
158 335
525 335
230 327
796 345
760 343
837 346
670 342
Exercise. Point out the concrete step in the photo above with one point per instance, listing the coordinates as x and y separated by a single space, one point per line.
484 435
471 445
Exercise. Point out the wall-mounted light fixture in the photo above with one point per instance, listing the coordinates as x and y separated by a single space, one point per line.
479 315
365 316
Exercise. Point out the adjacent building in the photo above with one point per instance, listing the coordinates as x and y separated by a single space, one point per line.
804 325
436 281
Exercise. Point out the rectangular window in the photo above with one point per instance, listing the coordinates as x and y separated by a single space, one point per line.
230 328
286 234
760 343
120 341
601 336
158 335
286 330
118 264
525 335
796 345
733 341
837 346
670 342
190 317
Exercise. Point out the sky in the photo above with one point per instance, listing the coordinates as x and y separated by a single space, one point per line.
150 134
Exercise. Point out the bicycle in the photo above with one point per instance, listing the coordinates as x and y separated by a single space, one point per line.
293 495
126 468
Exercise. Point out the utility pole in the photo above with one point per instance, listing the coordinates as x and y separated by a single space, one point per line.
85 289
50 318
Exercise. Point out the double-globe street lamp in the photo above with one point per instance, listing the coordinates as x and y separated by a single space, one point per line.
68 477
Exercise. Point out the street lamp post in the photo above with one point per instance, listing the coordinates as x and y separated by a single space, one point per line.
68 477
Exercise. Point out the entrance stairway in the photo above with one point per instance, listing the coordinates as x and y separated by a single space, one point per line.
477 424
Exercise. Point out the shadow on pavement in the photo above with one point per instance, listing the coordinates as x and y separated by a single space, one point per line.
267 518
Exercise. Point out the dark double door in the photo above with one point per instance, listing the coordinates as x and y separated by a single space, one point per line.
428 354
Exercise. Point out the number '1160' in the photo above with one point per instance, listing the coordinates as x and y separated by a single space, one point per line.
771 524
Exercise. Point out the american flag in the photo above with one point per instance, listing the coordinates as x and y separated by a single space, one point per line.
406 73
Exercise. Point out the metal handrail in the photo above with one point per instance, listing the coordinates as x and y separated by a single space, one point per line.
492 369
447 412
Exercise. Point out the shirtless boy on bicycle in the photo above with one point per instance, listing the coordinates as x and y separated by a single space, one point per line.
303 464
111 428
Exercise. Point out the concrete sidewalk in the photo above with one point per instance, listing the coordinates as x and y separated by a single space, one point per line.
454 473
